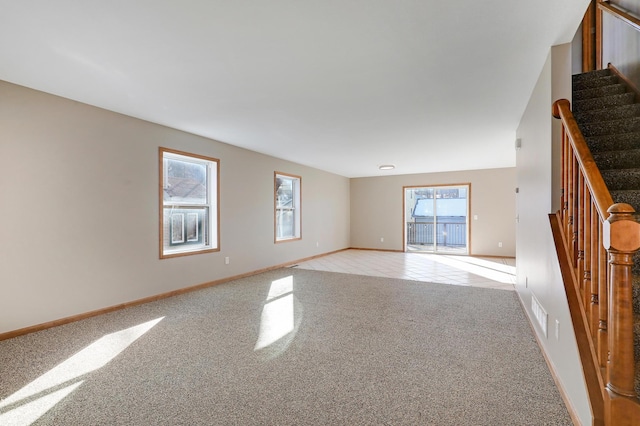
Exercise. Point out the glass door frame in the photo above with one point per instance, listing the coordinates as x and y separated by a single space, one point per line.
408 207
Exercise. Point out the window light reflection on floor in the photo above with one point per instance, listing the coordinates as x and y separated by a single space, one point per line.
488 264
490 270
29 403
277 318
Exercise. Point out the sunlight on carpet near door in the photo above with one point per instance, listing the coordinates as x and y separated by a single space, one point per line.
491 270
28 404
487 272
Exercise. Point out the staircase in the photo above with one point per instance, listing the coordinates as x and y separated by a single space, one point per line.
607 112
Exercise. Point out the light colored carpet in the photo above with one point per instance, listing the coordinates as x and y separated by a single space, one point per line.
289 347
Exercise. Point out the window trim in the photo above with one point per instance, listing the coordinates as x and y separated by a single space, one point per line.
297 210
213 204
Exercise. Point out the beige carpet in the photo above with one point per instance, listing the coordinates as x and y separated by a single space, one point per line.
289 347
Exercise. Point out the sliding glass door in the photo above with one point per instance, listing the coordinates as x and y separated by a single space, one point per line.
437 218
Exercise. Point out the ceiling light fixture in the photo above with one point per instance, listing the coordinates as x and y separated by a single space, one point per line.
387 167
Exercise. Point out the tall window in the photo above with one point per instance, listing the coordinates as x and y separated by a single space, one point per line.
287 207
188 203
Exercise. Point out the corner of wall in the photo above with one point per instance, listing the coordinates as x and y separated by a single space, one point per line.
538 273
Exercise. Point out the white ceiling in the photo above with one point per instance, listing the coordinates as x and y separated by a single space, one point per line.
341 85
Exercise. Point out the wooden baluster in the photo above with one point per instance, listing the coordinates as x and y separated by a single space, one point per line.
567 184
567 231
593 270
577 175
564 189
571 209
621 239
567 192
580 239
585 209
603 307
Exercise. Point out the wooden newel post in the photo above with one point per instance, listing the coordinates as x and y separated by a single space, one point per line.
621 238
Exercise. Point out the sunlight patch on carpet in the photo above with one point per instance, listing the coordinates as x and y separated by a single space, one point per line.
29 403
278 317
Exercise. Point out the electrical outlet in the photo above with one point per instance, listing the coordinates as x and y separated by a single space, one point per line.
557 330
226 260
317 243
382 239
500 244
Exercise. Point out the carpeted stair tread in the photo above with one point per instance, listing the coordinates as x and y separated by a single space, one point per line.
621 179
590 75
637 378
603 102
627 159
616 142
613 89
629 196
636 347
590 83
636 327
608 114
609 127
635 270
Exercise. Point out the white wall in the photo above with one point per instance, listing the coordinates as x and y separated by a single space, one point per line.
538 272
79 216
621 47
621 44
576 52
376 209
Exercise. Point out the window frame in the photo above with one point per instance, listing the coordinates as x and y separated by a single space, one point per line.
297 207
212 239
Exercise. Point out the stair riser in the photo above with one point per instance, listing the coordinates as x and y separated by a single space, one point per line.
614 142
611 127
636 323
603 102
628 179
608 114
617 160
616 89
590 75
595 82
636 346
629 197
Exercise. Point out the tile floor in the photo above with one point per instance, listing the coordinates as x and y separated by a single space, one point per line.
488 272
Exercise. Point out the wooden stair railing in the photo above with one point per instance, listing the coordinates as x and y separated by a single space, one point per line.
595 240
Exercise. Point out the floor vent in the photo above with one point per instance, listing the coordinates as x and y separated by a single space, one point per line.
540 314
